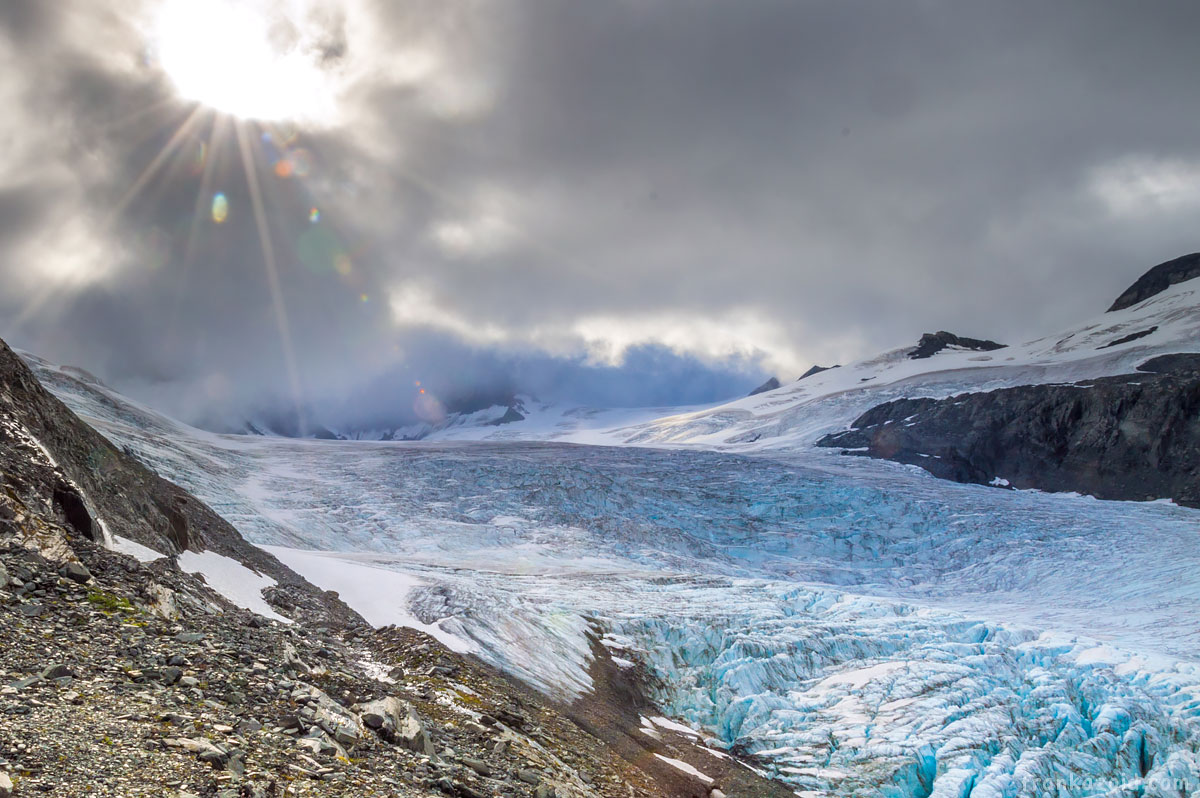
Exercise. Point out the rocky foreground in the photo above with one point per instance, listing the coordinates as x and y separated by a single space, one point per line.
122 675
125 679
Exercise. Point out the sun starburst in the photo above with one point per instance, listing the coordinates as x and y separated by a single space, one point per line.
252 59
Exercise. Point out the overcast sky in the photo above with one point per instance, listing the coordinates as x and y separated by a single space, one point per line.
629 201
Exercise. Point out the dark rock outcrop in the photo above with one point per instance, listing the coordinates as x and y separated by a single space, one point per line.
1133 336
1163 364
932 343
1159 279
769 385
1130 437
816 370
510 416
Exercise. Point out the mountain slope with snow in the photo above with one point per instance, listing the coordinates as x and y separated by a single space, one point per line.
796 415
855 626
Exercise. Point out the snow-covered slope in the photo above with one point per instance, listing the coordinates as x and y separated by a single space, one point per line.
540 421
862 628
797 414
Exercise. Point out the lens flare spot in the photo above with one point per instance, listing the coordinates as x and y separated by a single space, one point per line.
319 249
429 409
314 216
301 161
342 264
364 298
220 208
283 168
286 133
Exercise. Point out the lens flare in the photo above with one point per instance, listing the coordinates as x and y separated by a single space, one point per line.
429 409
286 133
220 208
300 160
319 249
314 216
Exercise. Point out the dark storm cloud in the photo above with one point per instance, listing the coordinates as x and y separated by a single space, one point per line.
617 202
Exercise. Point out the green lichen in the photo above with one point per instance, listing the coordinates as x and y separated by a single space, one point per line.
109 602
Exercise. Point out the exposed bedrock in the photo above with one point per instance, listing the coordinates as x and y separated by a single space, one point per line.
1133 437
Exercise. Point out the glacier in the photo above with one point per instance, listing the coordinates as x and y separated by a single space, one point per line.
852 627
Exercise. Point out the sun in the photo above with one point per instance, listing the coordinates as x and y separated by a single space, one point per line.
251 59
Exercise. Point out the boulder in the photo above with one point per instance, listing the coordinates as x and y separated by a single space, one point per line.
412 734
76 572
384 715
335 720
57 672
203 749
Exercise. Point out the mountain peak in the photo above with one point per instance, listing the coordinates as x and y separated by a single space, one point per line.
1159 279
816 370
769 385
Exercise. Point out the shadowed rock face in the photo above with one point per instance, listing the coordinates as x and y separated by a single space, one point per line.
1129 437
932 343
1159 279
55 466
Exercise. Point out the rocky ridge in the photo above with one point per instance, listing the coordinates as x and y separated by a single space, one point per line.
1128 437
932 343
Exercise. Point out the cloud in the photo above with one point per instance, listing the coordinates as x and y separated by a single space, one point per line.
1147 186
550 191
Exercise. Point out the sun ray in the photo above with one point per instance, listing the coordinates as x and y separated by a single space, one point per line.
216 137
32 307
52 285
152 168
268 253
215 140
128 119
